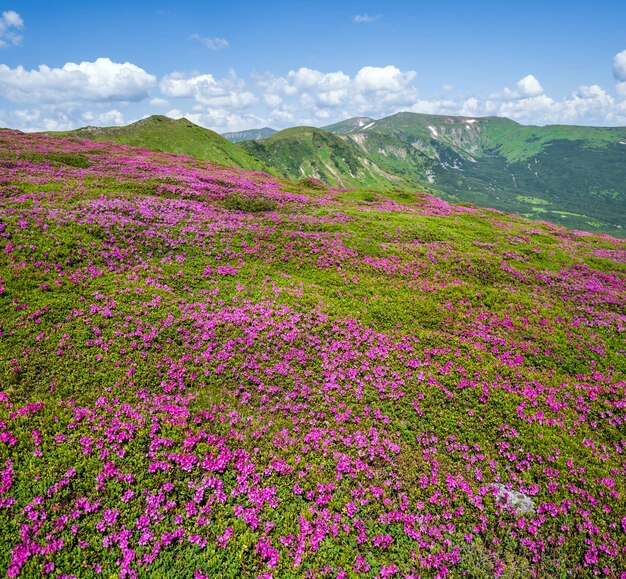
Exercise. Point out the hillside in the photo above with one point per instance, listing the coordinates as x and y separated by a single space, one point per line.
210 372
179 136
572 175
309 152
249 135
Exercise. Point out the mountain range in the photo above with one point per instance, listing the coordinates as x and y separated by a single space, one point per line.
249 135
572 175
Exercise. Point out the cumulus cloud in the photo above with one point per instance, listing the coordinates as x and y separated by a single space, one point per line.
220 104
365 18
211 43
312 94
383 79
434 107
101 80
529 86
112 117
619 71
220 120
27 115
97 93
175 114
589 104
10 25
619 66
49 118
328 89
224 122
526 87
207 91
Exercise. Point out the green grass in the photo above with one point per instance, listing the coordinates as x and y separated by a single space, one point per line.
309 152
179 136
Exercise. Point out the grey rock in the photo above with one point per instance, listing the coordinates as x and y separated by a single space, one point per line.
522 503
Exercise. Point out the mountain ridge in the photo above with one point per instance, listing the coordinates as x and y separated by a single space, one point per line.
299 152
572 175
249 134
179 136
569 174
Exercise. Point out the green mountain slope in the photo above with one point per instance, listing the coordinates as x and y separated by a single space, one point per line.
309 152
572 175
211 375
249 135
179 136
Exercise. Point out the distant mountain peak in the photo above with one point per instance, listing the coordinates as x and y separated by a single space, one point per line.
362 121
351 125
249 135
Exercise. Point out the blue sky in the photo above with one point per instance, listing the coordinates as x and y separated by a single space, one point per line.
236 65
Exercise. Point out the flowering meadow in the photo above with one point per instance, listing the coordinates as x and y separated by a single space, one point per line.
209 372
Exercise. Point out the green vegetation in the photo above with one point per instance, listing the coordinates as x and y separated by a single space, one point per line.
209 372
180 136
496 162
310 152
579 173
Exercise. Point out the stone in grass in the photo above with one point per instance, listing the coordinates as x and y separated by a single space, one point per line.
522 503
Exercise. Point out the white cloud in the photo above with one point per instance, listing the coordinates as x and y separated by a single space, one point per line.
470 108
12 19
589 104
434 107
211 43
107 118
309 94
101 80
365 18
174 114
306 78
50 118
272 100
97 93
527 109
619 66
208 91
383 79
10 23
27 116
619 71
57 122
529 86
328 89
282 117
224 120
219 104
